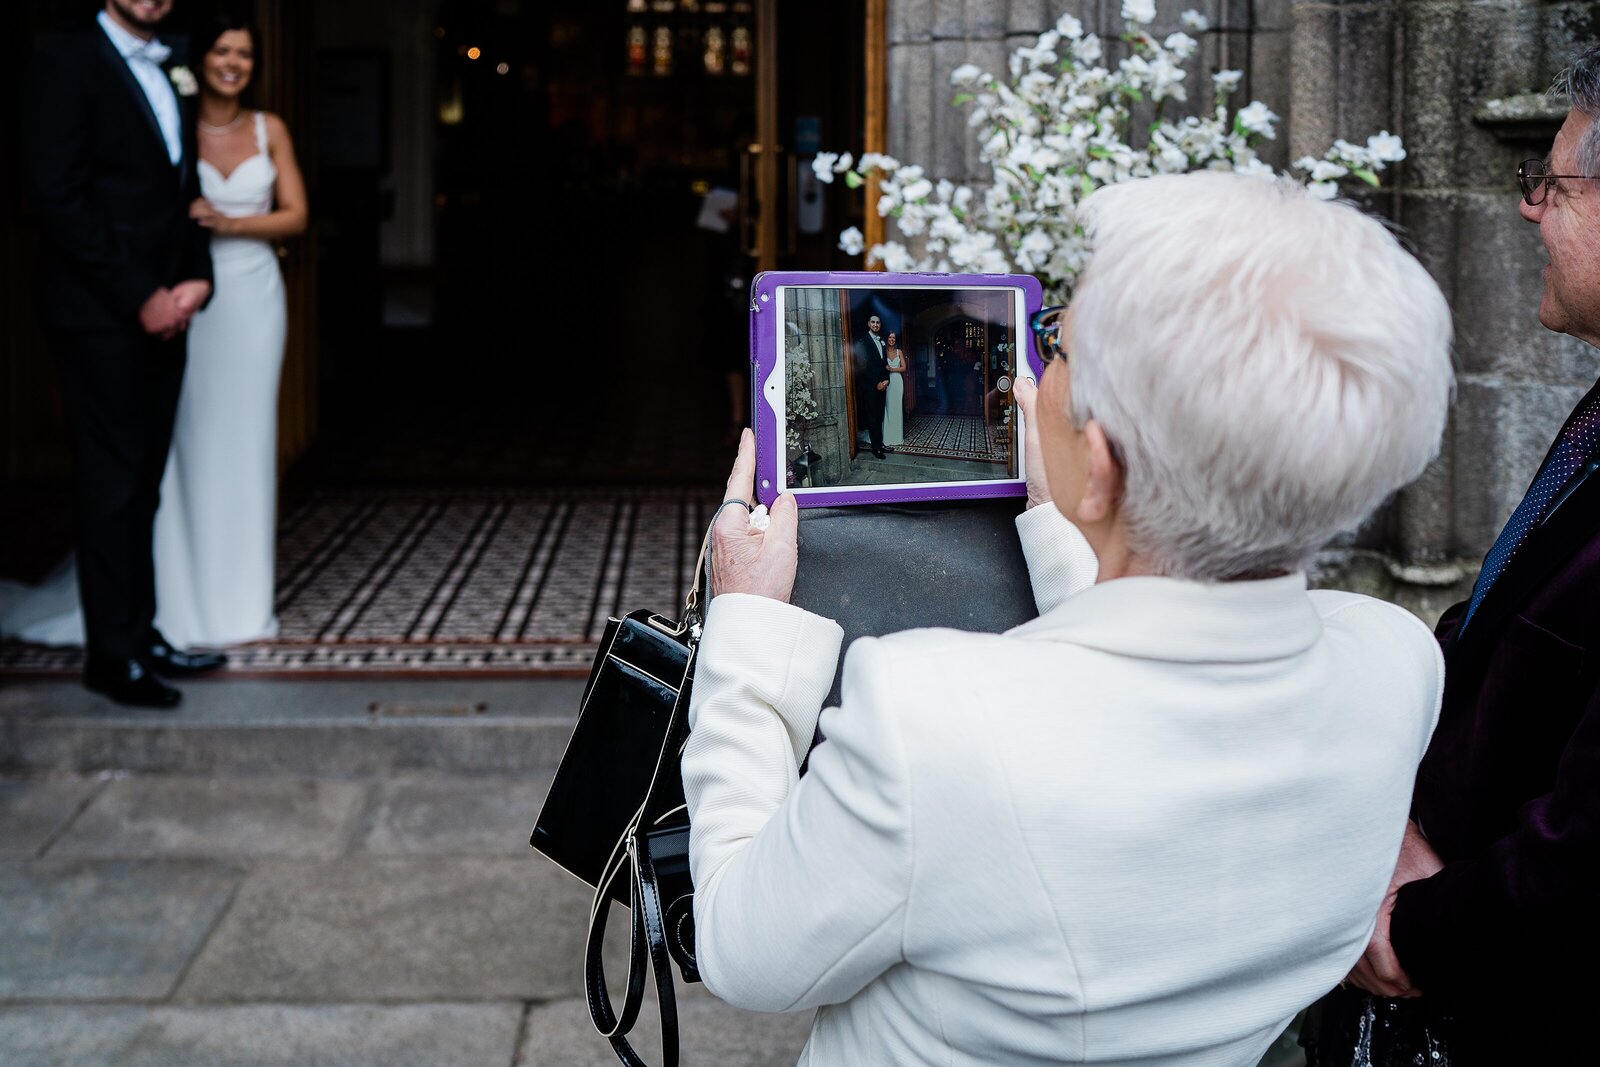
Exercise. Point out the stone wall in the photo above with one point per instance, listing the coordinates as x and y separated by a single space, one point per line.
816 313
1429 70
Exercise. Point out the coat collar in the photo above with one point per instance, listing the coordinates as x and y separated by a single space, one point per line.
1573 523
112 54
1186 622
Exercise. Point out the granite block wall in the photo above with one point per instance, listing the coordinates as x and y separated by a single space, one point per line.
1426 69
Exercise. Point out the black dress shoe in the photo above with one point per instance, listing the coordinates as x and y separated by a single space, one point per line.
129 682
886 448
878 454
173 663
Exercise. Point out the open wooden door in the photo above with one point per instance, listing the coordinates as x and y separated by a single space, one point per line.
282 85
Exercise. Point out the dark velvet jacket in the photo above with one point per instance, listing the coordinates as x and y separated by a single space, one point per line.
113 210
1509 795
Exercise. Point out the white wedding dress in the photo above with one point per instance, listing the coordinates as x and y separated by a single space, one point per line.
214 532
894 406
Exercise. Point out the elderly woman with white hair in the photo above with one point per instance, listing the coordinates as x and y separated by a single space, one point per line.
1154 823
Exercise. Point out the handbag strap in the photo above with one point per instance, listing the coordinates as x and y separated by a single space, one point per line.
647 936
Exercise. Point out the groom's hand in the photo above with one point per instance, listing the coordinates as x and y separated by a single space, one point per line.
744 558
161 316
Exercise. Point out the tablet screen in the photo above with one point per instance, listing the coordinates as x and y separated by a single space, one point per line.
903 385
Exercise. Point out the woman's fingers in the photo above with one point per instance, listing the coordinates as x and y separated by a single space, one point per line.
742 482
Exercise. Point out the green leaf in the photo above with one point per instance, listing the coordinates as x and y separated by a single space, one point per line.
1133 94
1366 176
1100 153
1086 184
853 180
963 98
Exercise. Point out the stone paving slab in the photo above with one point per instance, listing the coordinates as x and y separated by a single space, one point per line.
484 745
328 727
366 1035
86 929
175 817
32 810
712 1034
397 928
445 816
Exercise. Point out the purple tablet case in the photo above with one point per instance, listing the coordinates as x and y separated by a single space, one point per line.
765 352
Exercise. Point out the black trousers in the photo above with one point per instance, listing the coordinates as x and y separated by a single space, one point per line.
121 391
872 414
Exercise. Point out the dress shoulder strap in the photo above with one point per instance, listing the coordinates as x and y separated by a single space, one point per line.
261 131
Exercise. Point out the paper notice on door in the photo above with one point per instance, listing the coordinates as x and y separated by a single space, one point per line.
717 210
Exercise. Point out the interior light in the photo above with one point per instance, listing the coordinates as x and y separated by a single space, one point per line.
474 52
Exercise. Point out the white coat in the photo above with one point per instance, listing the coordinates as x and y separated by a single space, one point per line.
1146 828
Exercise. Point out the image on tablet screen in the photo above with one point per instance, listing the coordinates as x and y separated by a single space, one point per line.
899 386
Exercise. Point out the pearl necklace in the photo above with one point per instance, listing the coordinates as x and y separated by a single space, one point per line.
208 128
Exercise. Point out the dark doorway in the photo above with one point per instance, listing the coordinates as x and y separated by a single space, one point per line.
560 314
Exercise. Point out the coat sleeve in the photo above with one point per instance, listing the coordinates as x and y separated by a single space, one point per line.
1060 561
801 885
1523 903
57 122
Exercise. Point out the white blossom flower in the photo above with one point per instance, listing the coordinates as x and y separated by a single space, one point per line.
893 256
1069 27
1254 166
843 163
966 74
851 242
822 166
1323 170
1195 21
1323 190
1227 81
1088 50
917 190
1180 45
1141 11
1385 147
1353 154
1257 118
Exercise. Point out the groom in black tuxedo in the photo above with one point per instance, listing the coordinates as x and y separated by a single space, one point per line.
109 133
872 382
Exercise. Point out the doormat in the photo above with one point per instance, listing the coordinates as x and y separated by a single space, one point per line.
469 582
952 436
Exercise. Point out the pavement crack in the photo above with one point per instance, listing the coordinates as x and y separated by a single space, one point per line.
205 942
519 1046
83 806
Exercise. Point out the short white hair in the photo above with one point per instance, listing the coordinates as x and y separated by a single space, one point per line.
1268 366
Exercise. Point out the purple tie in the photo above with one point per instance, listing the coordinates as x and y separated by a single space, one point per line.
1578 442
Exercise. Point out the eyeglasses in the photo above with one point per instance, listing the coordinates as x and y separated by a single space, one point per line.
1536 181
1046 325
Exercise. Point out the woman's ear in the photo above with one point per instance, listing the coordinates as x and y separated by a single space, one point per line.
1102 490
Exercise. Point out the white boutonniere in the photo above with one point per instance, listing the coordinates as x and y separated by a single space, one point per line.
183 81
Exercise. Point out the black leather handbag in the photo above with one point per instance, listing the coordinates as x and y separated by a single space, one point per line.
615 814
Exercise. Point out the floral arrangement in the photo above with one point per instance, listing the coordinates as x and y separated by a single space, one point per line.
800 404
1061 127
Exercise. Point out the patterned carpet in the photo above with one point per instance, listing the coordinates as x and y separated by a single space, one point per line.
460 581
959 436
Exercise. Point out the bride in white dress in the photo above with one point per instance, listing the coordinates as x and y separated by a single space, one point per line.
215 530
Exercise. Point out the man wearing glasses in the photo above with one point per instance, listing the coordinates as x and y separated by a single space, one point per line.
1496 895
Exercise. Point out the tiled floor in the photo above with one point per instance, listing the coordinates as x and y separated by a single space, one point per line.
467 580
